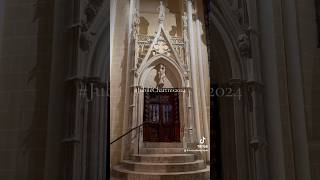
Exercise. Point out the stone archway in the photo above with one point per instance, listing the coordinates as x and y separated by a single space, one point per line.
240 122
226 116
86 100
173 80
231 130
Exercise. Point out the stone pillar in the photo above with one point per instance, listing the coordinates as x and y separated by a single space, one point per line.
203 89
2 4
113 8
296 94
192 47
129 91
272 96
57 99
258 142
189 125
189 111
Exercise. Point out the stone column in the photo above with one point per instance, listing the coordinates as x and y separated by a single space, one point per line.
189 124
57 99
272 96
296 94
113 8
192 47
127 120
203 90
2 5
189 111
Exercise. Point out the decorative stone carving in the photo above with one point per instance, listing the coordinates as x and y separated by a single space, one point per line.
162 46
185 20
161 75
258 143
162 12
136 24
159 44
239 12
90 12
144 43
186 75
136 74
178 45
244 46
85 37
92 9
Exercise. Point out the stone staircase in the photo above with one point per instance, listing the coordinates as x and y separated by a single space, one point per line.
158 163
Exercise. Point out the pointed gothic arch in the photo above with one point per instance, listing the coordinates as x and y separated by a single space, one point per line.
231 53
169 62
175 75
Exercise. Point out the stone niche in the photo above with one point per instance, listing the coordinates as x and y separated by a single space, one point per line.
161 75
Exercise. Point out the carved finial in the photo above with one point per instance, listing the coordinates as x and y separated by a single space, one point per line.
185 20
136 23
162 12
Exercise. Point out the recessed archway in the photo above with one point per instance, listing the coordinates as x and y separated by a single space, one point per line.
228 128
173 80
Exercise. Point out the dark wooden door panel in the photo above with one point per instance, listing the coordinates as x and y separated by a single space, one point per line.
161 114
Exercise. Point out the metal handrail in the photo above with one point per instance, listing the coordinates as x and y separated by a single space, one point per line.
120 137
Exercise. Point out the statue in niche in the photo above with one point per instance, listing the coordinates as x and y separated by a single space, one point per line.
173 32
161 76
162 12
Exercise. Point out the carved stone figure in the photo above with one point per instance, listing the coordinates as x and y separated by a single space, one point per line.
161 75
244 45
162 12
85 37
136 23
185 20
185 26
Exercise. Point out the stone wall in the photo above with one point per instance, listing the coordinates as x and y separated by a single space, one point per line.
310 67
118 78
25 61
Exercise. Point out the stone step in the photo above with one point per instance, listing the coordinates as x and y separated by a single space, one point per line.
163 151
163 167
163 158
162 145
123 174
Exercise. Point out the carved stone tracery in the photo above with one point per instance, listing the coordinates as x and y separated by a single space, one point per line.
161 46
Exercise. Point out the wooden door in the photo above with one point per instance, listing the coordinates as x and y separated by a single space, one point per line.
161 114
